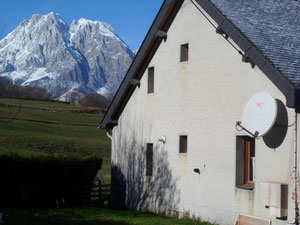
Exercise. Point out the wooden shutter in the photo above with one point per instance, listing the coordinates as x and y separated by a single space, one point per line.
246 161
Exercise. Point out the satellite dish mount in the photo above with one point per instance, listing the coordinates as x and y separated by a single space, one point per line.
238 124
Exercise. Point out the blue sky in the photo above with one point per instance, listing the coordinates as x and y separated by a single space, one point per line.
130 18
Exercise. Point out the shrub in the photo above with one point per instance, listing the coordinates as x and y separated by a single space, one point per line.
45 180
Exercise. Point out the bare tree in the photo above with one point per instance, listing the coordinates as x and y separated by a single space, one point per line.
94 100
7 89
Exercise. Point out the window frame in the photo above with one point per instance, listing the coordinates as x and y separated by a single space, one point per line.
245 169
183 144
151 74
149 160
184 52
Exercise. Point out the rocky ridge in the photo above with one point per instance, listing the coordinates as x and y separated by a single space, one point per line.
86 57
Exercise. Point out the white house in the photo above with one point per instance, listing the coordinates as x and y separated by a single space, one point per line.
176 146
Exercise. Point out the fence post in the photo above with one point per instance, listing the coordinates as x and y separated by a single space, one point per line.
100 193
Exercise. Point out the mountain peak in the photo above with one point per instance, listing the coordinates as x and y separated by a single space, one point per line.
52 16
44 51
105 28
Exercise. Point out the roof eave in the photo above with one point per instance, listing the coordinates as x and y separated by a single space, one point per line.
163 20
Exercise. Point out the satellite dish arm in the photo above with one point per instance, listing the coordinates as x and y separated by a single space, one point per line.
238 124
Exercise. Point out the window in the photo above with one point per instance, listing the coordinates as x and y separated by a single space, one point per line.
245 162
150 79
184 53
183 144
149 160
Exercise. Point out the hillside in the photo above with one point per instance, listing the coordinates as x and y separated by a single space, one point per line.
47 127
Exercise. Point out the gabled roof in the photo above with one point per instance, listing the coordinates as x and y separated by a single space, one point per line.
272 31
267 31
273 26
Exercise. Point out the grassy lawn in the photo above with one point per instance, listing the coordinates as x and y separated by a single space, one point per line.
28 130
89 216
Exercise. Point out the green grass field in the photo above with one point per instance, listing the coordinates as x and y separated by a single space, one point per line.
45 127
89 216
51 105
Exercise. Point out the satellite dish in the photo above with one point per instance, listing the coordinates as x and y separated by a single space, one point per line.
259 114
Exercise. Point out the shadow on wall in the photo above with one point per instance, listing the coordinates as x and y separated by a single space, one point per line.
275 137
132 189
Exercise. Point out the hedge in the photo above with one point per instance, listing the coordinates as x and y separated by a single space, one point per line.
45 180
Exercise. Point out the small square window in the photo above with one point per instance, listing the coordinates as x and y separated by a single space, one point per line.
149 160
151 80
245 162
184 53
183 144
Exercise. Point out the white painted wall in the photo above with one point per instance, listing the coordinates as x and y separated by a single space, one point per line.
202 98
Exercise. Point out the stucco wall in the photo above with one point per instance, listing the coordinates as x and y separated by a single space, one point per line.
202 98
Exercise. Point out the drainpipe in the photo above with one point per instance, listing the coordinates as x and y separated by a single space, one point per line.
295 173
108 134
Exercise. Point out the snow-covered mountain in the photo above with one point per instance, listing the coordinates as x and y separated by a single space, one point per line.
87 56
